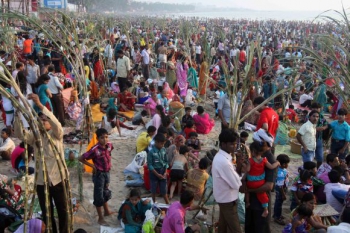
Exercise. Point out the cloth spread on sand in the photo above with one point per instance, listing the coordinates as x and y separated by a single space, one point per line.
97 114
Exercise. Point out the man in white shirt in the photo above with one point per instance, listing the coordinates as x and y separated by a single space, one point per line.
307 137
344 226
198 50
305 99
55 88
108 54
32 71
19 67
6 144
334 178
123 69
145 62
226 182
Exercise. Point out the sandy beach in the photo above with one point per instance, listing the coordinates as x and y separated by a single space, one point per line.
122 155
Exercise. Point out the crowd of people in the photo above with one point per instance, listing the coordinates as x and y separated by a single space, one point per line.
162 76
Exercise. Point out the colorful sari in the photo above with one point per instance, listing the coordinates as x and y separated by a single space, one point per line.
44 98
168 90
192 78
203 123
128 102
170 74
202 78
181 74
152 105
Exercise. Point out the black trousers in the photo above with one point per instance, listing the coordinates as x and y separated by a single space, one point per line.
307 103
122 83
56 194
58 107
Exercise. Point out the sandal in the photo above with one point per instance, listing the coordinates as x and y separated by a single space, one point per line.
280 221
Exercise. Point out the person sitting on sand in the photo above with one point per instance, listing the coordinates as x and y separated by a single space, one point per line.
202 121
197 178
6 144
132 212
111 120
126 100
101 156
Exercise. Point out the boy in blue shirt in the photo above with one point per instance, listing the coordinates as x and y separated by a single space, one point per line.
340 135
157 162
281 188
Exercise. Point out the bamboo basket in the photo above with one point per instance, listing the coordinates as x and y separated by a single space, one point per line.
295 147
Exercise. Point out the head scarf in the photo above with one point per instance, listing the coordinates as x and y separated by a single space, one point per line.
179 139
111 104
262 136
33 226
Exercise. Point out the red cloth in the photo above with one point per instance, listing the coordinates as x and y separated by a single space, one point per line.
269 116
187 132
242 56
16 153
128 102
257 169
291 114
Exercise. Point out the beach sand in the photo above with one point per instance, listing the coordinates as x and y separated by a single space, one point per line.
122 155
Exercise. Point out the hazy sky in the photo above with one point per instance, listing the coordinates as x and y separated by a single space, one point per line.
295 5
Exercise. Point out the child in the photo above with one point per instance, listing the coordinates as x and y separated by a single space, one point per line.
115 86
190 127
179 166
132 212
101 156
216 101
157 164
186 117
299 223
281 187
163 98
291 114
193 143
141 118
256 170
299 188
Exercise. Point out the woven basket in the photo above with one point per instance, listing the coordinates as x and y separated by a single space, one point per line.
295 147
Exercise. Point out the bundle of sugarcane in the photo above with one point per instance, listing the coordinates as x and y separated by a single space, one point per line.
66 29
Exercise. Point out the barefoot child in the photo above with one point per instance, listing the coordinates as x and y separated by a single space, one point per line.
157 162
179 167
255 169
101 156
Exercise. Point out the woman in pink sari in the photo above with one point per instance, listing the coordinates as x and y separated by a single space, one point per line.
181 75
202 121
151 104
168 90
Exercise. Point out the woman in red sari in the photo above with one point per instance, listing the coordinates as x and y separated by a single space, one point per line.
202 121
126 101
97 64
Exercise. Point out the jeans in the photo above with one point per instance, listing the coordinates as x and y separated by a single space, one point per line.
101 180
336 146
308 156
319 150
277 210
339 194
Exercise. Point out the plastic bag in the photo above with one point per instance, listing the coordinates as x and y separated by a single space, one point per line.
139 160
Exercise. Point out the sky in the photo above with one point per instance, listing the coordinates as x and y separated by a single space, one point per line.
279 5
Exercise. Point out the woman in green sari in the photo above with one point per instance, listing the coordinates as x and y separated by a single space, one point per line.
171 71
